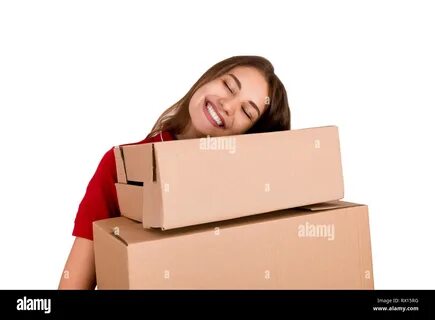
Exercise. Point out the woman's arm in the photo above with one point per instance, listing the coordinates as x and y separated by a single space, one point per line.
79 271
99 202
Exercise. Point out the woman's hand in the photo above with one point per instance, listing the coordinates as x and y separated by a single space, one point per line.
79 271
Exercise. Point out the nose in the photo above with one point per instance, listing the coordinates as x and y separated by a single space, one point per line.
229 106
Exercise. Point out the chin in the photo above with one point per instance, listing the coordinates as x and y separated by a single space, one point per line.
202 128
209 132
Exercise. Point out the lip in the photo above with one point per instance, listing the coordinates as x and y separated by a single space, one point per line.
217 112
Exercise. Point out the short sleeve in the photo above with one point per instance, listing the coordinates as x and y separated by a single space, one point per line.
100 200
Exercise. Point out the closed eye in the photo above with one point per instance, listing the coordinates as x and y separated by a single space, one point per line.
228 87
247 114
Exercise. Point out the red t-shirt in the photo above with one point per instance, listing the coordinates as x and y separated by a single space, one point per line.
100 200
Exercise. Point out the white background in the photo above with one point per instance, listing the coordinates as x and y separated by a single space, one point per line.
78 77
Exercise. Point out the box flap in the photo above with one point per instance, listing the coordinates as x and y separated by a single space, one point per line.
120 165
329 205
140 162
130 200
129 231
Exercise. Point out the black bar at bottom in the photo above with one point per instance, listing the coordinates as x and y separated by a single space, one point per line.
383 304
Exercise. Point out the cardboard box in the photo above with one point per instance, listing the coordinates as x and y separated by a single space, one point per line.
325 246
187 182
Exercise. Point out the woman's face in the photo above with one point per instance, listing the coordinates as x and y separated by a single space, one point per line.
228 105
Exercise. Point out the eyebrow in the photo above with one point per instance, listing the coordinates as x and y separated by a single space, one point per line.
239 84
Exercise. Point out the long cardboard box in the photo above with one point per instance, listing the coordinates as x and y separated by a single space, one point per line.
325 246
187 182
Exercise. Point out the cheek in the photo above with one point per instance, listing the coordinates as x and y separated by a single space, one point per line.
241 124
197 97
193 103
213 88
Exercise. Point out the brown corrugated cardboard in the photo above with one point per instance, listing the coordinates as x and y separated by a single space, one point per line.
286 249
187 182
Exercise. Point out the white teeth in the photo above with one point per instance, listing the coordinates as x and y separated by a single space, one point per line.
214 115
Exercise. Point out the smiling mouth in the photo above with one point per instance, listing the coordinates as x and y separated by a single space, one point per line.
213 115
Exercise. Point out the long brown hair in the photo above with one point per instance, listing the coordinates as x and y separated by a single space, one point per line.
276 117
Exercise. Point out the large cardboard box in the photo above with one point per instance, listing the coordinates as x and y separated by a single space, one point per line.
181 183
325 246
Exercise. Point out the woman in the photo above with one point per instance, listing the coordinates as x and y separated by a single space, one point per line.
238 95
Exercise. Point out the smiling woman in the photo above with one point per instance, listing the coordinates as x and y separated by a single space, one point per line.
228 104
238 95
241 94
